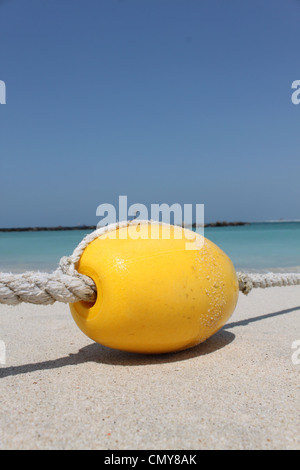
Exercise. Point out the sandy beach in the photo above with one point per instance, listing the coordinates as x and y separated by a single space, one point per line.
239 390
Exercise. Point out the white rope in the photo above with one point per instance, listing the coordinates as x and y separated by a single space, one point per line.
68 286
45 289
248 281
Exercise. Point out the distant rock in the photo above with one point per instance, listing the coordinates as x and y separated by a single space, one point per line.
48 229
226 224
221 224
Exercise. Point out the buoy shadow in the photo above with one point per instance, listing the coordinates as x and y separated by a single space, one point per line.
97 353
102 355
260 318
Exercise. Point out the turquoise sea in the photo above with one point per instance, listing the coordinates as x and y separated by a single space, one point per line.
255 247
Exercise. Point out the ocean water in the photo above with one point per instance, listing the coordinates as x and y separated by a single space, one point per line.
260 246
255 247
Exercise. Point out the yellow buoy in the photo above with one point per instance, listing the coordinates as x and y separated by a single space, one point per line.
156 292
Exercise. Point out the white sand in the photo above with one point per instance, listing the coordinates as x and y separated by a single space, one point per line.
239 390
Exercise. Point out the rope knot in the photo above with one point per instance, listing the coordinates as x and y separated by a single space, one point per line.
245 283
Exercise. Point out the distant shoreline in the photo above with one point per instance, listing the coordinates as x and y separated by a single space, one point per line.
94 227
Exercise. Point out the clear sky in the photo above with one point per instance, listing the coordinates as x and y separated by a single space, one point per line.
164 101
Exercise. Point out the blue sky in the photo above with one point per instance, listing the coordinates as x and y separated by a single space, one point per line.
164 101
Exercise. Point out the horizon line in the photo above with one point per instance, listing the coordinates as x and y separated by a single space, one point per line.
94 227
